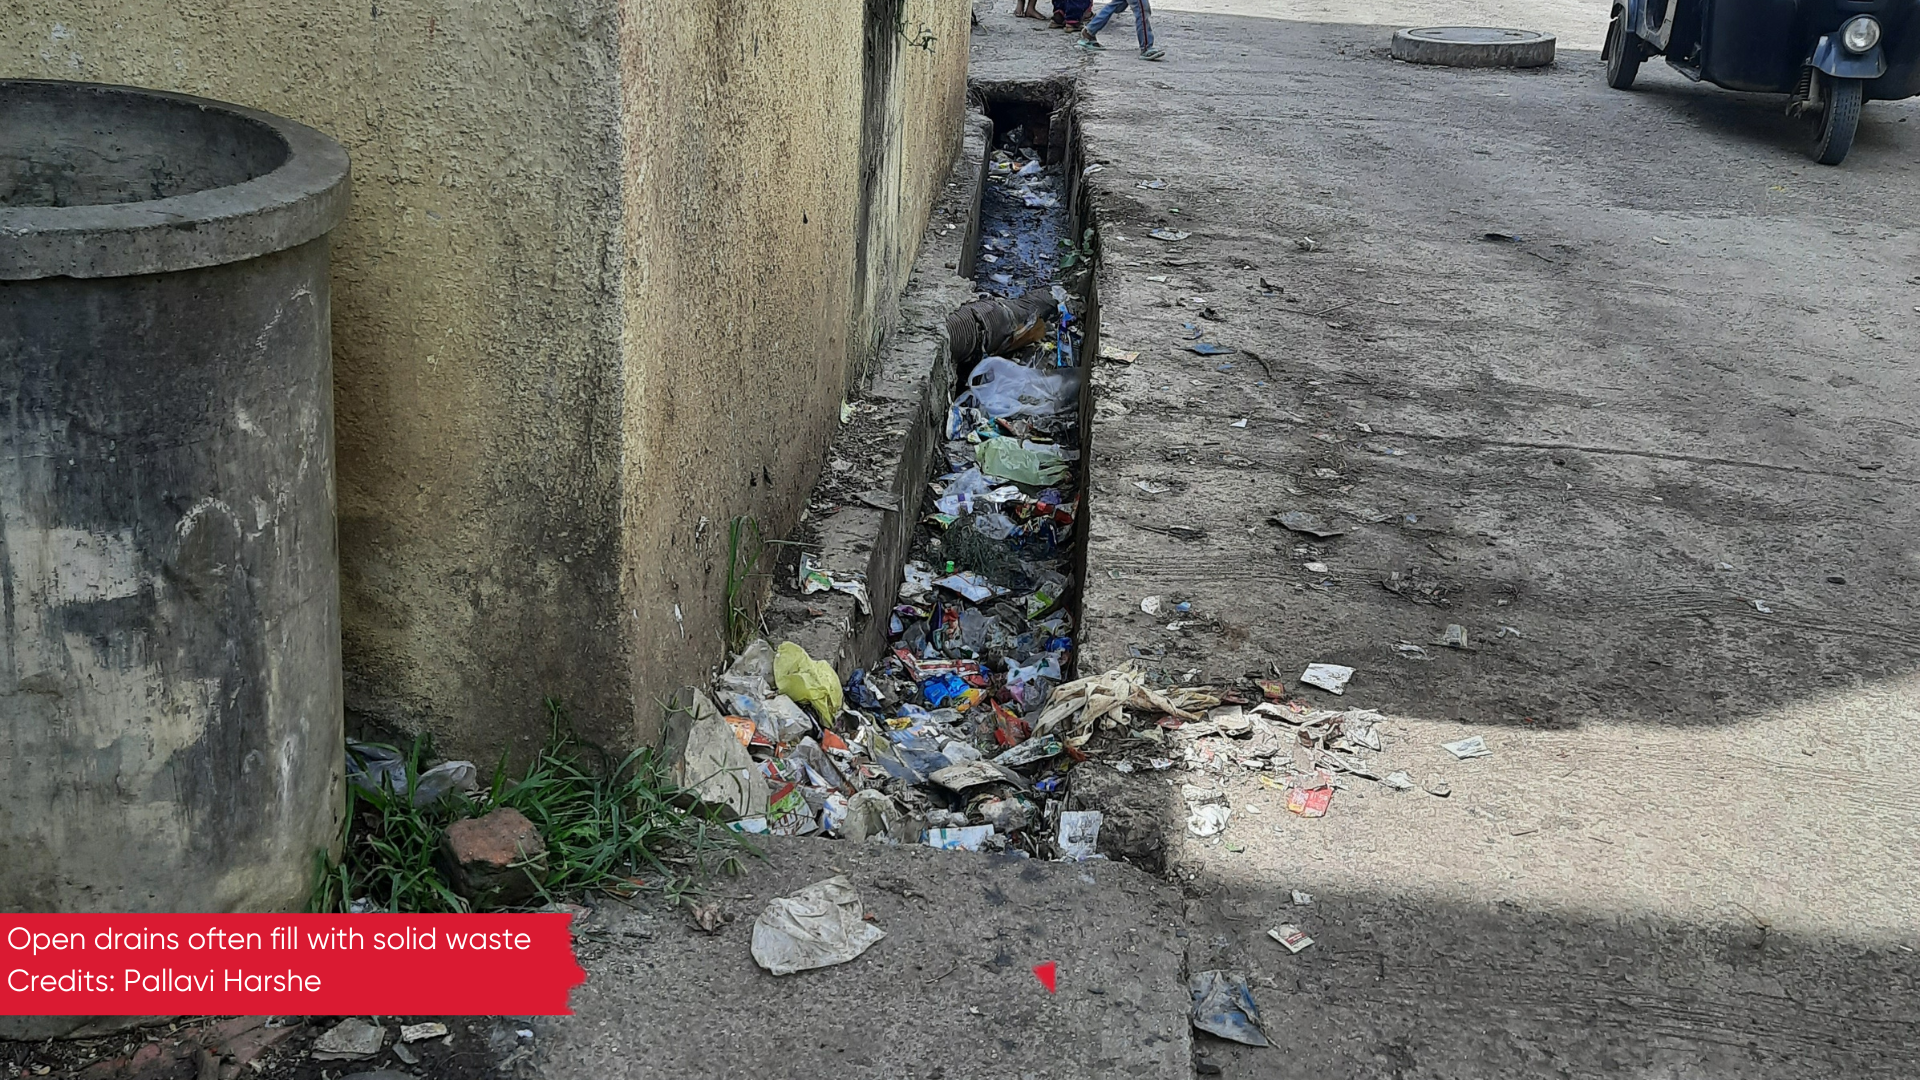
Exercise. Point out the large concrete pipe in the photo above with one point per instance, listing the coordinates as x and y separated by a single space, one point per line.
170 700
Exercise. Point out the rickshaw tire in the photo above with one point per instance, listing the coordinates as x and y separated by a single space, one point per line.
1623 54
1838 121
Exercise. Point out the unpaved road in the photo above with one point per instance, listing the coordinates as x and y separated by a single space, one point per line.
1643 438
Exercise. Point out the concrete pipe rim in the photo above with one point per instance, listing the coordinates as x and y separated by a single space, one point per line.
1473 46
298 200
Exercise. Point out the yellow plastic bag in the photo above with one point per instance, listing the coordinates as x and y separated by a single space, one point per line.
808 681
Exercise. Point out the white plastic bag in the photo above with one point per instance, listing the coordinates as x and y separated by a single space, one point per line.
1001 388
819 926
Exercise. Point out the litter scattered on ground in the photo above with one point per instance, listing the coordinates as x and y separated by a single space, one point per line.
1332 678
432 1029
1398 781
1223 1005
348 1040
1439 787
967 733
1472 746
1291 936
378 768
1302 522
1169 235
1453 637
819 926
1207 811
1079 833
1310 802
1302 899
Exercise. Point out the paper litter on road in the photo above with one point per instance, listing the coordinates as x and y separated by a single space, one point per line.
1470 747
1329 677
1291 936
1207 811
1079 833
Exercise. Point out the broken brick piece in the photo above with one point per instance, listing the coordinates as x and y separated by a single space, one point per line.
497 860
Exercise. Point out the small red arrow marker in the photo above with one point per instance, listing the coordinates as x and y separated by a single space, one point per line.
1045 974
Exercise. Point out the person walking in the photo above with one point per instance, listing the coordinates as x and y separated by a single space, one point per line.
1090 37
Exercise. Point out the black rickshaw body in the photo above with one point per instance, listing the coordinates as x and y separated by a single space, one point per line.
1766 46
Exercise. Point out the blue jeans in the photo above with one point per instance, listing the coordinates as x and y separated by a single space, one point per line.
1140 20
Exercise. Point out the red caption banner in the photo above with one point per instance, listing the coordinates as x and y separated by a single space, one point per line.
286 965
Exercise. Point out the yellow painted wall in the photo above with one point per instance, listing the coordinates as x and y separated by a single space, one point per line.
598 285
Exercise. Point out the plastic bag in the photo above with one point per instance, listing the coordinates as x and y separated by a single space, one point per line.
754 660
782 720
808 681
819 926
971 493
1223 1005
1002 388
1021 462
994 525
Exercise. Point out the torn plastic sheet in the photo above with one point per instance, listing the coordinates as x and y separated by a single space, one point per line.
1223 1005
819 926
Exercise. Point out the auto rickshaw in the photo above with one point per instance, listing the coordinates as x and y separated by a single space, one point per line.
1830 55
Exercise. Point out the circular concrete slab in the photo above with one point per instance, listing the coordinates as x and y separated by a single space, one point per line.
1473 46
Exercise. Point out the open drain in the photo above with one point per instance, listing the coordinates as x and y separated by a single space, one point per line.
985 629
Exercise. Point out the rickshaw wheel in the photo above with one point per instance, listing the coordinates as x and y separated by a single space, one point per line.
1833 132
1623 54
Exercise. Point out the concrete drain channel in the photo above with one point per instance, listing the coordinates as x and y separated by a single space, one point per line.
963 729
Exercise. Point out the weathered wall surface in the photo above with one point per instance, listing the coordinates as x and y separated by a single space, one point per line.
763 159
475 320
606 277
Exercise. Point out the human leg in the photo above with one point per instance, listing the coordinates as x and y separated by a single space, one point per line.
1100 19
1143 26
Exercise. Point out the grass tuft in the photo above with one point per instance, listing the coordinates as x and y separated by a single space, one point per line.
615 826
745 551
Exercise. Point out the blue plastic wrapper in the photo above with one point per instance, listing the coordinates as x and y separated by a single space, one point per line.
941 689
922 761
1223 1005
860 693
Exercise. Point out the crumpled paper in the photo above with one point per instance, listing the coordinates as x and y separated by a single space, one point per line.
1076 707
819 926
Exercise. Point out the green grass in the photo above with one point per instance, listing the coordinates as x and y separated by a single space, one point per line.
745 550
605 824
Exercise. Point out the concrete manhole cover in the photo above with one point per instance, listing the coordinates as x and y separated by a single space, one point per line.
1473 46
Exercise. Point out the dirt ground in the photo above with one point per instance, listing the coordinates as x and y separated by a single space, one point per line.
276 1048
1651 446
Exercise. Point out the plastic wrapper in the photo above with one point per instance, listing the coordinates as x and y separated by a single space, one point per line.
810 682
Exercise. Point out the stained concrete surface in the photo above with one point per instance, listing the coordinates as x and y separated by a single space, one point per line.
610 269
1642 436
949 992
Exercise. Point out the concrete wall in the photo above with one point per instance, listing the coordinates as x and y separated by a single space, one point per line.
606 277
